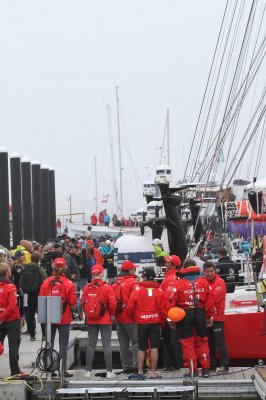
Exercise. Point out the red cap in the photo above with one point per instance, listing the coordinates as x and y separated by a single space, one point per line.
174 260
78 245
97 270
128 265
1 348
60 262
90 242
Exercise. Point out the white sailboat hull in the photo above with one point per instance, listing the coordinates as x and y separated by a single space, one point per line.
74 228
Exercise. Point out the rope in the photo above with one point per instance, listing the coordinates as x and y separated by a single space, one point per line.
14 378
224 79
261 146
47 360
206 88
252 72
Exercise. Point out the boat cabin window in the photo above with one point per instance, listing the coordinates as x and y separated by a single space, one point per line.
163 171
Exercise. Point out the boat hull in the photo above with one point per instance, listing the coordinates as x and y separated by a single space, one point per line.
242 336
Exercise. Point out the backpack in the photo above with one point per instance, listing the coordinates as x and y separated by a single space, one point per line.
56 288
117 288
30 280
93 306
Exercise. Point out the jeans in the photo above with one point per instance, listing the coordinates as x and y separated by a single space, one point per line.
128 335
217 340
80 286
106 335
11 329
63 331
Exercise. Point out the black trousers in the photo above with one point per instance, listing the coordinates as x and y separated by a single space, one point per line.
172 346
32 309
216 340
11 329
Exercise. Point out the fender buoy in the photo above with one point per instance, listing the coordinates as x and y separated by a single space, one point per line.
176 314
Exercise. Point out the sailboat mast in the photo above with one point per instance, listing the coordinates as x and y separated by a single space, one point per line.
112 157
96 185
167 130
119 150
70 208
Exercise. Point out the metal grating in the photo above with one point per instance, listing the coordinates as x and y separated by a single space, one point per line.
125 395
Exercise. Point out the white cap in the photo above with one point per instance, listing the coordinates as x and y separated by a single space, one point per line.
157 241
108 241
2 251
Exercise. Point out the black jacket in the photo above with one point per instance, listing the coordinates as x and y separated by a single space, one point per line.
47 261
228 270
72 267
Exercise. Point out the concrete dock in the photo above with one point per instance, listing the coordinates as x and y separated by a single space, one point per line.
244 383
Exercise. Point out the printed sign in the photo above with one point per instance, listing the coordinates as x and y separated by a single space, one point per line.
231 211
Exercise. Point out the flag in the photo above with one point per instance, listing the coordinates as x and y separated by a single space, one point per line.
105 199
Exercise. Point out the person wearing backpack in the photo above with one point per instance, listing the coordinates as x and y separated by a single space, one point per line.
146 306
99 305
59 285
126 328
31 279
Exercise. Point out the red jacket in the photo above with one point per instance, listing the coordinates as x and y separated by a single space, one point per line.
9 310
219 293
93 220
128 284
168 285
98 256
184 297
146 303
107 298
70 298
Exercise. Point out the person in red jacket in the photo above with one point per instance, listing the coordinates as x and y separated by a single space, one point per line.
126 328
93 254
9 317
99 305
170 336
216 331
94 219
194 295
58 284
146 307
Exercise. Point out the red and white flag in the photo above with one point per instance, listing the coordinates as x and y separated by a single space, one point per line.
105 199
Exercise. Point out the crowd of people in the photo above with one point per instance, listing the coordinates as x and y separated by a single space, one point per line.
82 271
105 219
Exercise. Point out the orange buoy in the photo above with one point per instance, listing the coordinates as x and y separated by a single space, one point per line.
176 314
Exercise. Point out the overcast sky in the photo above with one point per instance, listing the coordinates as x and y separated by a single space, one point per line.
60 63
